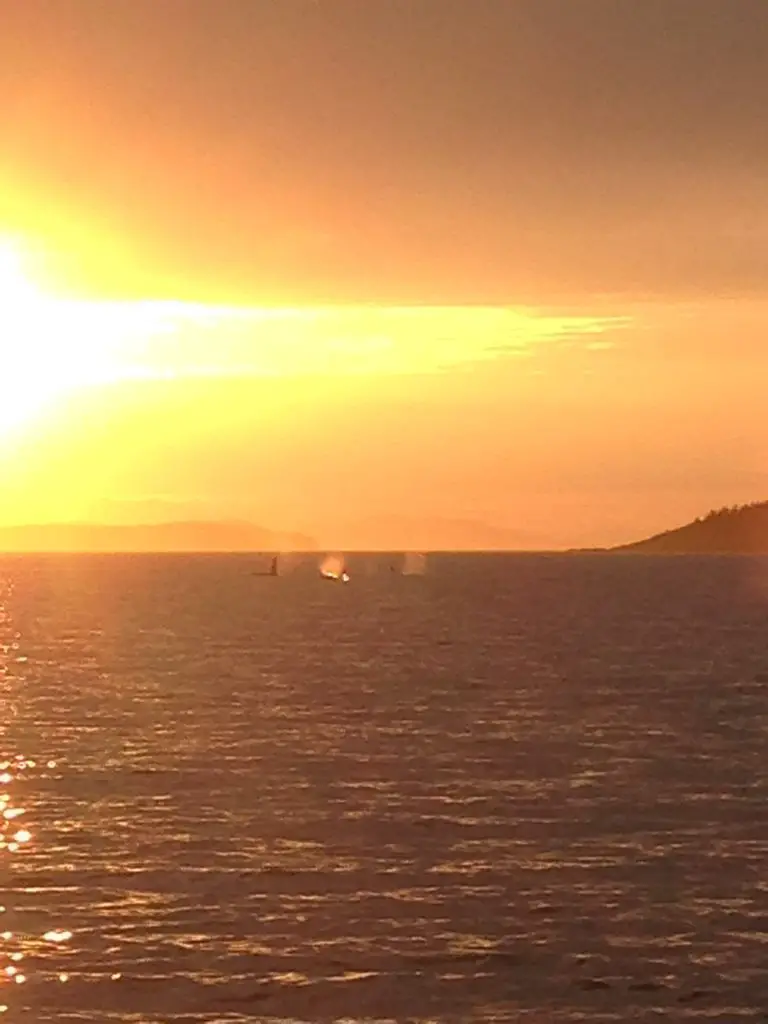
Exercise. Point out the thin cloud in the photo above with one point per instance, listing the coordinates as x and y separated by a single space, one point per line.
191 341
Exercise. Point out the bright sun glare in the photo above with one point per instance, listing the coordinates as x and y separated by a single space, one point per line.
50 346
40 355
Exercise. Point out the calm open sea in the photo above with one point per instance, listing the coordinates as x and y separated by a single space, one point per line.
518 788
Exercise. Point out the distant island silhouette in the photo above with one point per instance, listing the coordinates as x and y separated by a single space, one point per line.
736 529
192 536
410 532
732 530
386 533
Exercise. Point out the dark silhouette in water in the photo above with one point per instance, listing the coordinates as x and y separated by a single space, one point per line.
736 530
273 569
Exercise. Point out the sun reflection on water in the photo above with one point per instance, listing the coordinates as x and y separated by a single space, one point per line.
16 770
12 840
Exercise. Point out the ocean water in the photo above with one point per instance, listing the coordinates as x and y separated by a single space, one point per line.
517 788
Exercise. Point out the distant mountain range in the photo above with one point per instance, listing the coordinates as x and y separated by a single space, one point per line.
386 533
428 533
738 530
159 537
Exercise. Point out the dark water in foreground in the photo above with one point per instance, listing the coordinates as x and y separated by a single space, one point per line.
516 789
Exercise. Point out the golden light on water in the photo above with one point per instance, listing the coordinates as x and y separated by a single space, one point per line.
17 945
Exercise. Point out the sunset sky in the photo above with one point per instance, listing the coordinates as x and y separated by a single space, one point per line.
325 264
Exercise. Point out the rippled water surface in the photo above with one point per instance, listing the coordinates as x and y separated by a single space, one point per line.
514 789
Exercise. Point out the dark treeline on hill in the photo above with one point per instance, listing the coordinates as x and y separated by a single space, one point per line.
735 529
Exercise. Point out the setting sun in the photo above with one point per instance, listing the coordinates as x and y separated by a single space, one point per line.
50 346
45 345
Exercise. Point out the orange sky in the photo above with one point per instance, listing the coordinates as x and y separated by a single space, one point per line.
327 264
